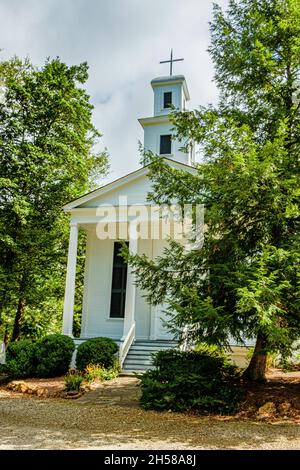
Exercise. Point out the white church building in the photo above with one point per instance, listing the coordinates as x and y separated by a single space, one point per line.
113 305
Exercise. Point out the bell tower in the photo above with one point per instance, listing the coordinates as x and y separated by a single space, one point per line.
169 92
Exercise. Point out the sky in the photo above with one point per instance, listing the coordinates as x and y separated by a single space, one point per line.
123 42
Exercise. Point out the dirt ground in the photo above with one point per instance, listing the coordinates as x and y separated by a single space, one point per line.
33 423
102 419
275 400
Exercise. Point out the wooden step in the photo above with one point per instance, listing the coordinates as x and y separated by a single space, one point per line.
139 357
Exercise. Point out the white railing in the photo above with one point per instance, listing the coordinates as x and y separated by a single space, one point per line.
2 353
184 346
126 343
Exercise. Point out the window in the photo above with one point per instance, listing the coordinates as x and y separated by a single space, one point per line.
168 99
118 288
165 145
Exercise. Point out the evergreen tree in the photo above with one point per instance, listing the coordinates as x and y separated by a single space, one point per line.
244 281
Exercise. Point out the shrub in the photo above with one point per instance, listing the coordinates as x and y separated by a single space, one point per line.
73 382
20 359
202 380
288 364
3 369
96 351
53 355
93 372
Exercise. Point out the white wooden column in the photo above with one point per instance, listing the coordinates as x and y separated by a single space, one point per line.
153 308
67 328
153 320
129 314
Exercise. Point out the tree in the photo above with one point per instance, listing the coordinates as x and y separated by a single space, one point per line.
244 281
46 158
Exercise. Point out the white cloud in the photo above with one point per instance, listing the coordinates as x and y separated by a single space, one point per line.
123 42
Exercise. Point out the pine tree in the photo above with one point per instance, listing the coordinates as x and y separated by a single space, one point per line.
244 281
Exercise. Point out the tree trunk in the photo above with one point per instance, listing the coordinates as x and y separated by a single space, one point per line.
6 336
18 318
256 369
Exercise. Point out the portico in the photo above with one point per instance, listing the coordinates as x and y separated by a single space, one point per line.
113 305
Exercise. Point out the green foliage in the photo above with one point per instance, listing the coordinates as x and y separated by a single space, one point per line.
96 351
290 363
244 281
3 369
53 355
46 159
255 49
95 371
48 357
73 382
21 359
202 381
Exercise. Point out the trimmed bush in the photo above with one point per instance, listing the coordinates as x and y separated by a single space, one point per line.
96 351
3 369
20 359
202 380
53 355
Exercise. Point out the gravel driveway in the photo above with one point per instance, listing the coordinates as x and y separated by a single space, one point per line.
33 423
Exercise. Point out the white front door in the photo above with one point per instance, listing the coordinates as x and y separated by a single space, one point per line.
158 316
161 331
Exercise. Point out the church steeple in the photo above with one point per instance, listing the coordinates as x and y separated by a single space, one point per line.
169 91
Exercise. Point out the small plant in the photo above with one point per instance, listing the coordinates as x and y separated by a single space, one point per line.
272 360
73 382
96 371
93 372
249 354
96 351
109 374
288 365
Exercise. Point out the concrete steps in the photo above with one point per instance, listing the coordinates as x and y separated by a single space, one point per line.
139 357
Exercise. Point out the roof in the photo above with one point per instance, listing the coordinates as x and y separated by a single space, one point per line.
168 78
120 182
162 119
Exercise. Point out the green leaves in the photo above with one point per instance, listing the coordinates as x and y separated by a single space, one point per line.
271 296
244 281
46 158
256 53
201 380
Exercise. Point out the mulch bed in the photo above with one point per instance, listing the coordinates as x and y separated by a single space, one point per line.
276 399
43 388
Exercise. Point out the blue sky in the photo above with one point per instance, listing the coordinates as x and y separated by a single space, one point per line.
123 42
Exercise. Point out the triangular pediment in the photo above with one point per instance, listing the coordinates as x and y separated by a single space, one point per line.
133 188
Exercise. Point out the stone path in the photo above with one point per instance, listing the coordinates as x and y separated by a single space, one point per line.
123 391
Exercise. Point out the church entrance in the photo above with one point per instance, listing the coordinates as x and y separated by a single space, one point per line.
119 279
161 331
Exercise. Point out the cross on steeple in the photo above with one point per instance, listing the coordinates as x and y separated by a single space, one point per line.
170 61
